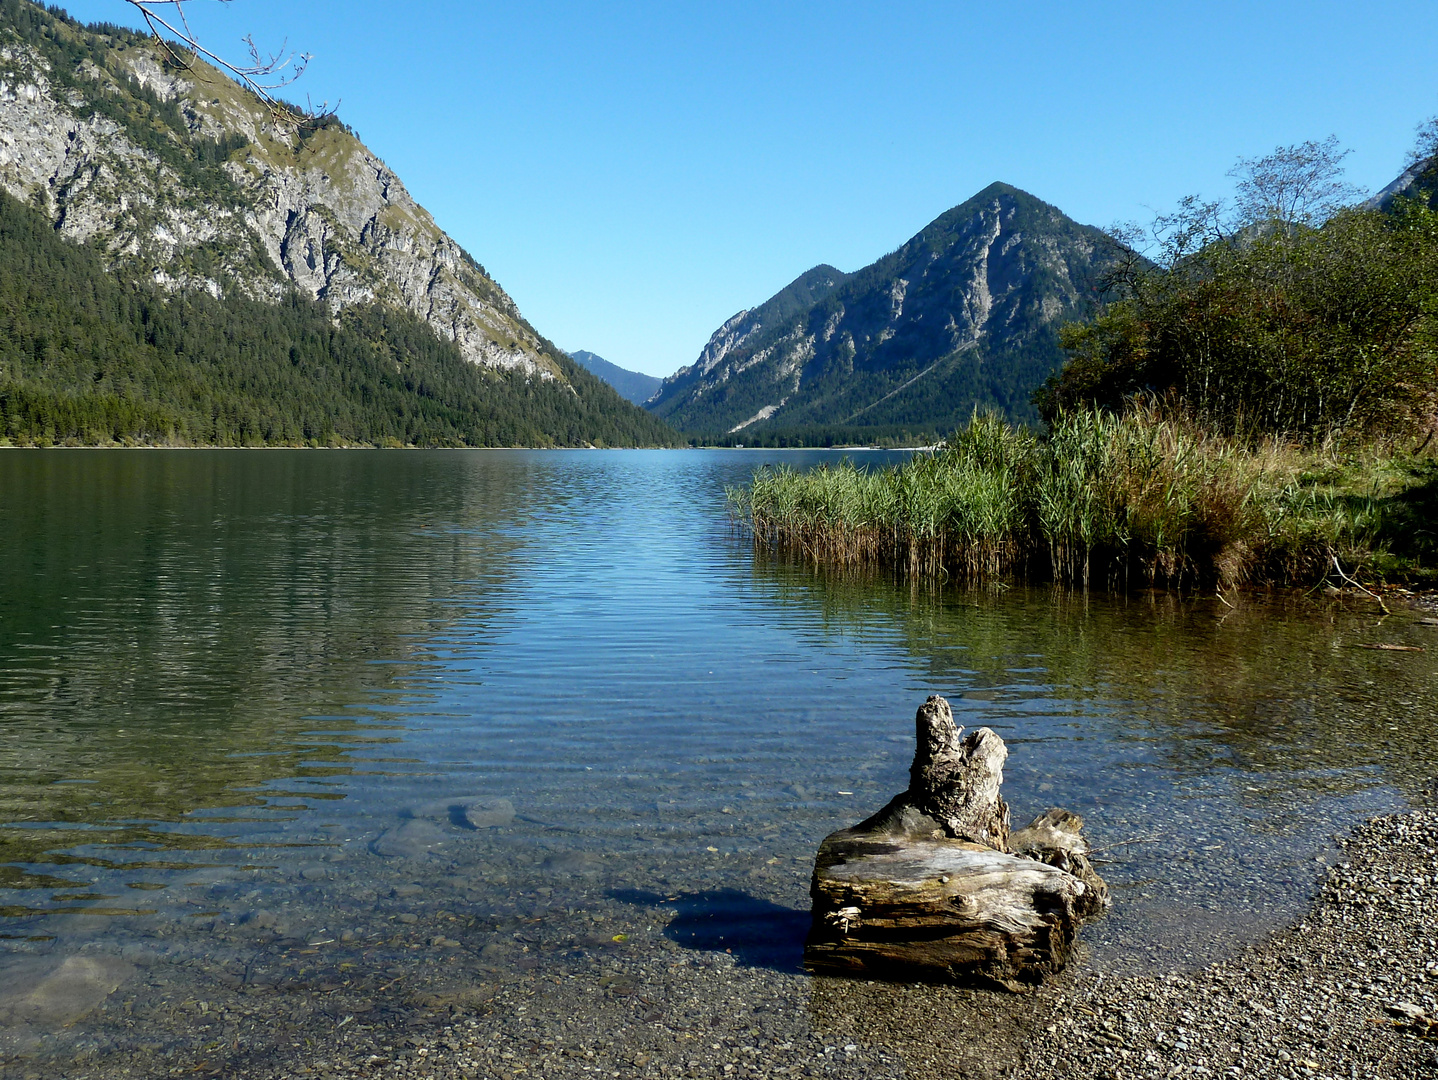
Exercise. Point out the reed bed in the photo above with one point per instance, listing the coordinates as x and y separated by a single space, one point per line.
1137 498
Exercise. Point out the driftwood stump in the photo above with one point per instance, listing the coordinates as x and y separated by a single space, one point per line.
933 887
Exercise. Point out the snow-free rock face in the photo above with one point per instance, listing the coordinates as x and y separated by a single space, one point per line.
966 313
686 393
183 174
1419 179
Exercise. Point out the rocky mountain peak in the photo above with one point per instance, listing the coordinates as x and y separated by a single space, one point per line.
964 313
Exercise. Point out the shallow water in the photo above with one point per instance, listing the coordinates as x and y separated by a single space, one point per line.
227 678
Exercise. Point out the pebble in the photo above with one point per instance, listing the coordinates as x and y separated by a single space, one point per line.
1343 993
562 977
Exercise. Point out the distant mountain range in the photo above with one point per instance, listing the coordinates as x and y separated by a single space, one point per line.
632 386
964 314
178 267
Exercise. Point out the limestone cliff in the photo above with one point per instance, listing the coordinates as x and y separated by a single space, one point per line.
965 313
180 172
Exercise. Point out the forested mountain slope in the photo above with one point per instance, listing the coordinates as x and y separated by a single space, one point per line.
95 357
179 184
964 314
632 386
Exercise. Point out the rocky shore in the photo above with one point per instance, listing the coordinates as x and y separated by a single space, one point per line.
1350 992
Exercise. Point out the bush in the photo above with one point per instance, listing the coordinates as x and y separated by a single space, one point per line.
1286 330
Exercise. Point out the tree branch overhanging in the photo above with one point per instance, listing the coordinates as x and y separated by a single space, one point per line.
264 75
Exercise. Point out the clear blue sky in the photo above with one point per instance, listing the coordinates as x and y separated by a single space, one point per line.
633 174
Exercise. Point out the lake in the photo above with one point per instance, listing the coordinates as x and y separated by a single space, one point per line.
242 691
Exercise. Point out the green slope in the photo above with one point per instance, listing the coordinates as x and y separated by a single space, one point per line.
632 386
89 357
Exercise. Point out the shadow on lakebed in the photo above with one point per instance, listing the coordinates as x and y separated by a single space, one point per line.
757 933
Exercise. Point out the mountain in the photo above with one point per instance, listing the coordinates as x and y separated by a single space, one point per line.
740 335
90 356
964 314
178 179
633 386
1421 177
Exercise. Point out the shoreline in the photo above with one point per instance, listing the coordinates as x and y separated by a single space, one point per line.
1109 501
1324 998
1351 990
589 948
1313 1000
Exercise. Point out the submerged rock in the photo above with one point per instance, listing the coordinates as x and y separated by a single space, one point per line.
46 992
933 887
572 863
410 840
472 811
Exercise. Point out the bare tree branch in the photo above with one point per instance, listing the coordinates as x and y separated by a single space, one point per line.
1299 185
263 75
1295 185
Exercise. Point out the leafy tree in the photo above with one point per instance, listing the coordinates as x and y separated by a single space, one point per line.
1295 185
1282 314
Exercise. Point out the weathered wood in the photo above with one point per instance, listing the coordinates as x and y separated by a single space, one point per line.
920 907
956 780
1055 837
927 889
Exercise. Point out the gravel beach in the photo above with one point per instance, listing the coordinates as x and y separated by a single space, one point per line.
1350 992
422 949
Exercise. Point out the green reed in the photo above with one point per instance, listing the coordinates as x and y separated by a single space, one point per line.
1138 498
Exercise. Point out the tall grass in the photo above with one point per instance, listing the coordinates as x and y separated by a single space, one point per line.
1138 498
